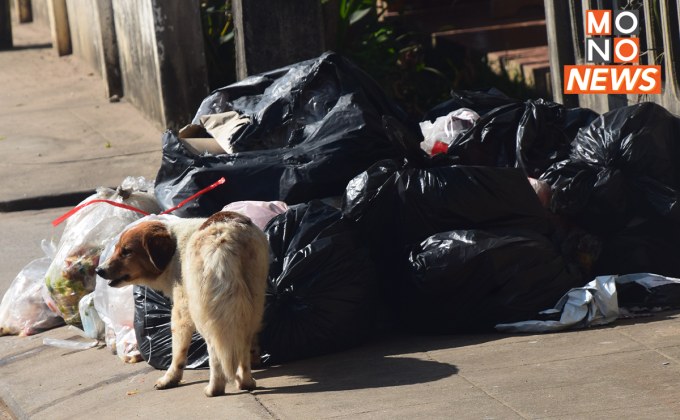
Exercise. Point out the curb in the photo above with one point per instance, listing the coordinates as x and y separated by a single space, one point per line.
45 201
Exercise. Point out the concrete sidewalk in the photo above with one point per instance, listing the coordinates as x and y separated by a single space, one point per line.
59 135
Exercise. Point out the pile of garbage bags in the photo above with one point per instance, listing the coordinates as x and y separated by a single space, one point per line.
492 213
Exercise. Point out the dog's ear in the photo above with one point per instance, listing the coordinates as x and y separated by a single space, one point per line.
159 245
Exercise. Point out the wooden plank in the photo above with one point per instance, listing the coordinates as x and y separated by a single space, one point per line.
61 36
5 25
25 11
561 48
110 61
162 60
273 33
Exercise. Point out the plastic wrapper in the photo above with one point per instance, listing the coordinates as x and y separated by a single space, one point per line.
313 126
71 275
438 135
471 280
602 300
69 344
23 310
116 306
260 212
594 304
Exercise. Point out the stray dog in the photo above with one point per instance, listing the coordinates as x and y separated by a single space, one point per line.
215 270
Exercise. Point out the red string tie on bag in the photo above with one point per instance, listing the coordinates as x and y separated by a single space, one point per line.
62 218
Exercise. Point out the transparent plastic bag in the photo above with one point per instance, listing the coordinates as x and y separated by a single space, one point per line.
23 310
438 135
71 275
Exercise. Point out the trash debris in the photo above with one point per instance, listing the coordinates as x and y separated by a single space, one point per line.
313 126
23 310
93 326
320 296
154 336
602 300
470 280
322 290
438 135
69 344
621 181
622 166
71 274
594 304
398 207
260 212
532 136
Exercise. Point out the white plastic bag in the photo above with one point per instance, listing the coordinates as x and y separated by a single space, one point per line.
260 212
71 275
93 326
438 135
23 310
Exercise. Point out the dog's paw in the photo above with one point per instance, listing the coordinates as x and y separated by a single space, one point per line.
165 383
213 391
246 385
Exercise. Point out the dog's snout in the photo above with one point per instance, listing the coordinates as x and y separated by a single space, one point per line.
101 271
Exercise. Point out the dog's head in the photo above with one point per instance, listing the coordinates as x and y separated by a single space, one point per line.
141 255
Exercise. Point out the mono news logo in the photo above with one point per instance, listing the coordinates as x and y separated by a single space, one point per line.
612 51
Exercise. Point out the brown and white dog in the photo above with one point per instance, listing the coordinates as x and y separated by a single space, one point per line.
215 270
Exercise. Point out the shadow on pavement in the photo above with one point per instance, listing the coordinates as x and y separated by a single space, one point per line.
43 46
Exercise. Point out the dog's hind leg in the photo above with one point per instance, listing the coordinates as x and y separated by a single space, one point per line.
218 379
244 377
182 330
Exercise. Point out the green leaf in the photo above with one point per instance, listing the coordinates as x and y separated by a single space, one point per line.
358 15
228 37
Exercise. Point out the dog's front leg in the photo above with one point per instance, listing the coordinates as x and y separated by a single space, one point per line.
182 330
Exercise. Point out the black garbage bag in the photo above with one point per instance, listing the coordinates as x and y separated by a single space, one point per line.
322 285
390 201
481 102
471 280
395 208
622 166
648 246
321 294
154 337
532 136
643 292
313 126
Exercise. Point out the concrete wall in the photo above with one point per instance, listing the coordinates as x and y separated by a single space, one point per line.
137 45
162 59
40 12
86 39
